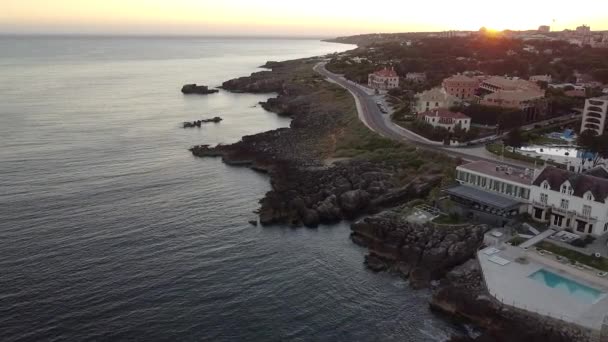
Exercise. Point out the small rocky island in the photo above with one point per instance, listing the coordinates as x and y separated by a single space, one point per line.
197 89
198 123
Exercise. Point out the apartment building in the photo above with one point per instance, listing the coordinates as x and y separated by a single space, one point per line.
461 86
594 114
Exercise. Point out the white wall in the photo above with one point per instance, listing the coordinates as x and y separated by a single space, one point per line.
575 204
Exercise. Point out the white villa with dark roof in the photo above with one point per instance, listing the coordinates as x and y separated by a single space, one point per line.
563 199
568 200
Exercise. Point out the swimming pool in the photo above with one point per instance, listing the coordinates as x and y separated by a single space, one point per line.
580 291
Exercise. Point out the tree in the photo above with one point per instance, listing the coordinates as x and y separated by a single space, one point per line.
592 143
514 138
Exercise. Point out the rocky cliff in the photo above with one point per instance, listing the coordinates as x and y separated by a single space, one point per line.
420 252
305 189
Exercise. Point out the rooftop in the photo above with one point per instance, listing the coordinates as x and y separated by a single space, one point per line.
515 175
487 198
581 182
516 95
507 83
436 94
461 78
386 72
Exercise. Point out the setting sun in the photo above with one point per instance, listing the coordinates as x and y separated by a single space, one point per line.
313 17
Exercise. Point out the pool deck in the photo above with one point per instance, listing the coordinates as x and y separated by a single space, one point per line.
511 285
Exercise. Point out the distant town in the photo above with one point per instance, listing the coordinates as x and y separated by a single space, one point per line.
525 112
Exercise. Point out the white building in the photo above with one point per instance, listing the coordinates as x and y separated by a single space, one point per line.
417 77
541 78
384 79
564 199
445 118
568 200
434 98
594 115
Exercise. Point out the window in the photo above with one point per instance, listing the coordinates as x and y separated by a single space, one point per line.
606 227
586 210
546 185
543 198
558 220
589 196
565 203
567 189
496 186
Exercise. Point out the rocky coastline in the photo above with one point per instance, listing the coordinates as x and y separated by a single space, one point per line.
305 190
420 252
311 185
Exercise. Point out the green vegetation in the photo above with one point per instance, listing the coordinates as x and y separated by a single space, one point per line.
352 139
590 142
543 140
504 118
449 219
498 150
518 240
439 133
589 260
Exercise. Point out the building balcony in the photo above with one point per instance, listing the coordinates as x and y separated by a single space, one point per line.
586 218
562 211
540 204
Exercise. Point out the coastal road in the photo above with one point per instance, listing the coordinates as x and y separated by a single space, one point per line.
370 114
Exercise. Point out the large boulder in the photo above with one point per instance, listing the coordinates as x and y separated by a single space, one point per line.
354 201
197 89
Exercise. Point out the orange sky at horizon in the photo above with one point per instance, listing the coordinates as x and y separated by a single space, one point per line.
276 17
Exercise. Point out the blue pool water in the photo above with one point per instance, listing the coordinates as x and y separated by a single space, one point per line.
580 291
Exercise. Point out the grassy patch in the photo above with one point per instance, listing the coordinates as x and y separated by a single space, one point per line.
497 149
543 140
589 260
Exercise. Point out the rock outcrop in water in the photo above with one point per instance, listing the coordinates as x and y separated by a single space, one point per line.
198 89
198 123
420 252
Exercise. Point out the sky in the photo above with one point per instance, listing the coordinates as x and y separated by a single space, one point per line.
318 18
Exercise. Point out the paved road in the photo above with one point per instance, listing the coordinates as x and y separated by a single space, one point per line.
372 117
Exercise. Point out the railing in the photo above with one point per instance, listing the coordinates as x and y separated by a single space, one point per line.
526 308
588 218
540 204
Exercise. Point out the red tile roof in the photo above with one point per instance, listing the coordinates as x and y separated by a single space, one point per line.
386 72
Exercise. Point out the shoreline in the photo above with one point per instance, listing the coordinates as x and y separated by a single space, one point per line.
374 176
